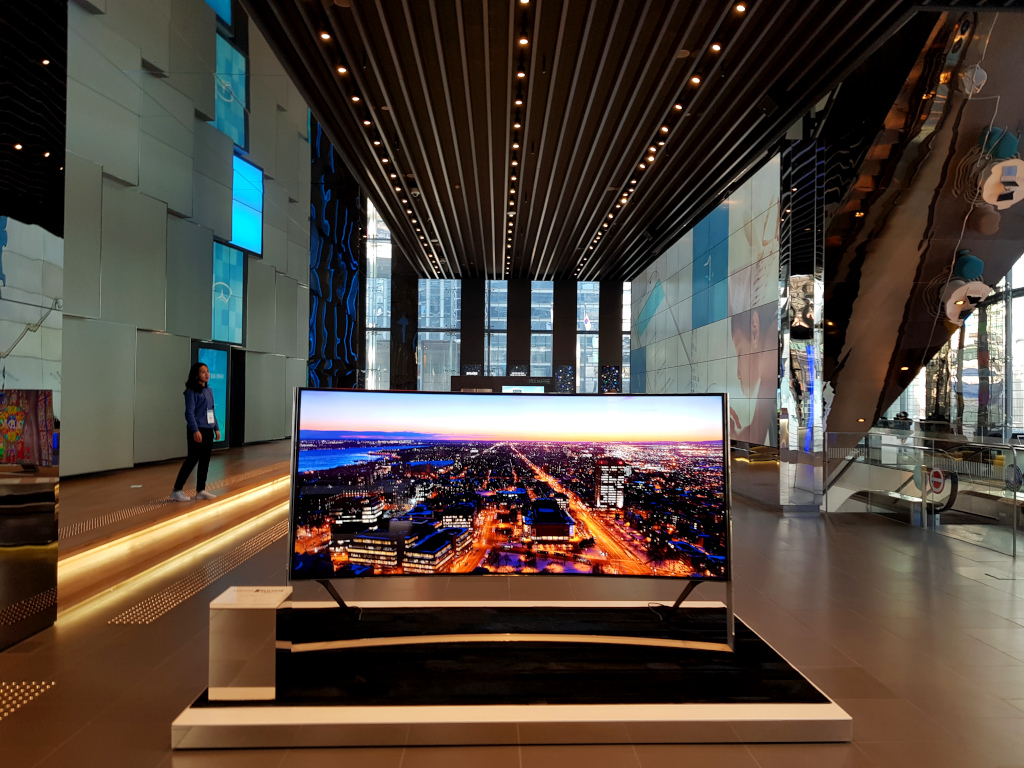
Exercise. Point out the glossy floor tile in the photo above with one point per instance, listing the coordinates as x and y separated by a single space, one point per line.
903 628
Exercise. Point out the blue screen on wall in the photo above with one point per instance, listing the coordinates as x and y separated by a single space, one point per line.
222 8
247 206
231 97
217 361
228 293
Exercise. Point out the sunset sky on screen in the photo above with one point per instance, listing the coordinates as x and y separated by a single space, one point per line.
565 418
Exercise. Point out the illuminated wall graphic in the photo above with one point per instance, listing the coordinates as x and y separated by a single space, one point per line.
707 310
247 206
228 294
336 251
216 360
231 96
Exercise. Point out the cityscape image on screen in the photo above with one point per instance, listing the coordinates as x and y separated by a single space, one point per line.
405 483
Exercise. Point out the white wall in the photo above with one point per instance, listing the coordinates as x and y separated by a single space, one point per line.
148 190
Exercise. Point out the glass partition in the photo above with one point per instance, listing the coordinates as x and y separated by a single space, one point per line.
967 490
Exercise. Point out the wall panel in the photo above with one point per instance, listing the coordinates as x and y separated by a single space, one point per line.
83 192
261 308
98 406
162 363
134 258
266 412
285 326
189 273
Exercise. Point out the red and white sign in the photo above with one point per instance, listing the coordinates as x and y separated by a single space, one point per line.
937 480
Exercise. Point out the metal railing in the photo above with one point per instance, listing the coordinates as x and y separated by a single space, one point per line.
965 489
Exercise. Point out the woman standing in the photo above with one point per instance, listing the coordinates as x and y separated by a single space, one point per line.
202 430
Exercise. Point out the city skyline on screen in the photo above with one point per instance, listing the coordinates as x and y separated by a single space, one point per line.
553 418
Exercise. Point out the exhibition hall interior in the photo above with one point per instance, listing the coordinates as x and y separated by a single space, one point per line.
406 383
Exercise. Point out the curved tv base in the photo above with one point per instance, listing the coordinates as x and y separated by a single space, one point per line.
422 673
508 637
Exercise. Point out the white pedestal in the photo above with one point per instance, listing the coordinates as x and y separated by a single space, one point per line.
243 631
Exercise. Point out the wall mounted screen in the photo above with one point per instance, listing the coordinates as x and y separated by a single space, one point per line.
216 361
403 483
228 293
247 206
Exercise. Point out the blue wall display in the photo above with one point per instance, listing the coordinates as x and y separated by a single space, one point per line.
247 206
232 70
337 256
228 294
216 360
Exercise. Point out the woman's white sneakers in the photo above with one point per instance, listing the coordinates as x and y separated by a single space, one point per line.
179 496
206 495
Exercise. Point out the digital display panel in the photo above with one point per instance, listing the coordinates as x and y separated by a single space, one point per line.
414 483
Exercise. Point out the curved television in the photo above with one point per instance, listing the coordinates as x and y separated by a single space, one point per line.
424 483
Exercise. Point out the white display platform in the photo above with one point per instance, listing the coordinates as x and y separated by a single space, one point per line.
210 725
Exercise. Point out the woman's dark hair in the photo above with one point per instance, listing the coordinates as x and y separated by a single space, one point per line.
193 381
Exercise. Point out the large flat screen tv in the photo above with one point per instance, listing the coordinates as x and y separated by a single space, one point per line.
420 483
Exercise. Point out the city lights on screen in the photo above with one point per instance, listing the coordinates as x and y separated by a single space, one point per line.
404 483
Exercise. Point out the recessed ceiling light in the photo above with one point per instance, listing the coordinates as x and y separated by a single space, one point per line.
860 420
404 201
524 41
515 162
653 149
610 216
376 142
695 80
513 191
355 98
716 47
517 125
632 181
650 158
678 107
905 368
642 165
366 122
741 8
46 62
408 210
324 36
664 129
383 159
519 102
515 145
394 176
414 221
398 189
513 177
859 214
342 70
520 73
17 146
46 154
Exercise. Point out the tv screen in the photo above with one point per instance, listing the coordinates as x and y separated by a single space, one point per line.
420 483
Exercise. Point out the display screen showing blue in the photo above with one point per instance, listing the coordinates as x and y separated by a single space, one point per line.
228 293
230 83
247 206
396 483
222 8
217 361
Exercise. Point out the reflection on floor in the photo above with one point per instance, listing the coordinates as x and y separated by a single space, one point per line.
909 631
117 525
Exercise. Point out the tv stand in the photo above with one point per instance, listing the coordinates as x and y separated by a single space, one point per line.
353 613
507 672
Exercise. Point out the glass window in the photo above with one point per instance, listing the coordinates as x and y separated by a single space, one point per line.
440 304
438 360
440 320
625 363
587 295
228 293
542 306
230 115
216 360
496 305
378 360
496 354
586 362
627 306
222 8
378 271
247 206
540 354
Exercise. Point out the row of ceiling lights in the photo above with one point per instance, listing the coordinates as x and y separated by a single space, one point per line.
19 146
649 156
523 41
391 172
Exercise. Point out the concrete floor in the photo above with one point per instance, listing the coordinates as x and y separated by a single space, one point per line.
919 637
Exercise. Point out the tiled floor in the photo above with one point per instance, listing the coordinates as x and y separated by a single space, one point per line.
905 629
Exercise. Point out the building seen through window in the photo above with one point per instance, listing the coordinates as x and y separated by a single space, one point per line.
495 327
440 323
587 305
378 301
